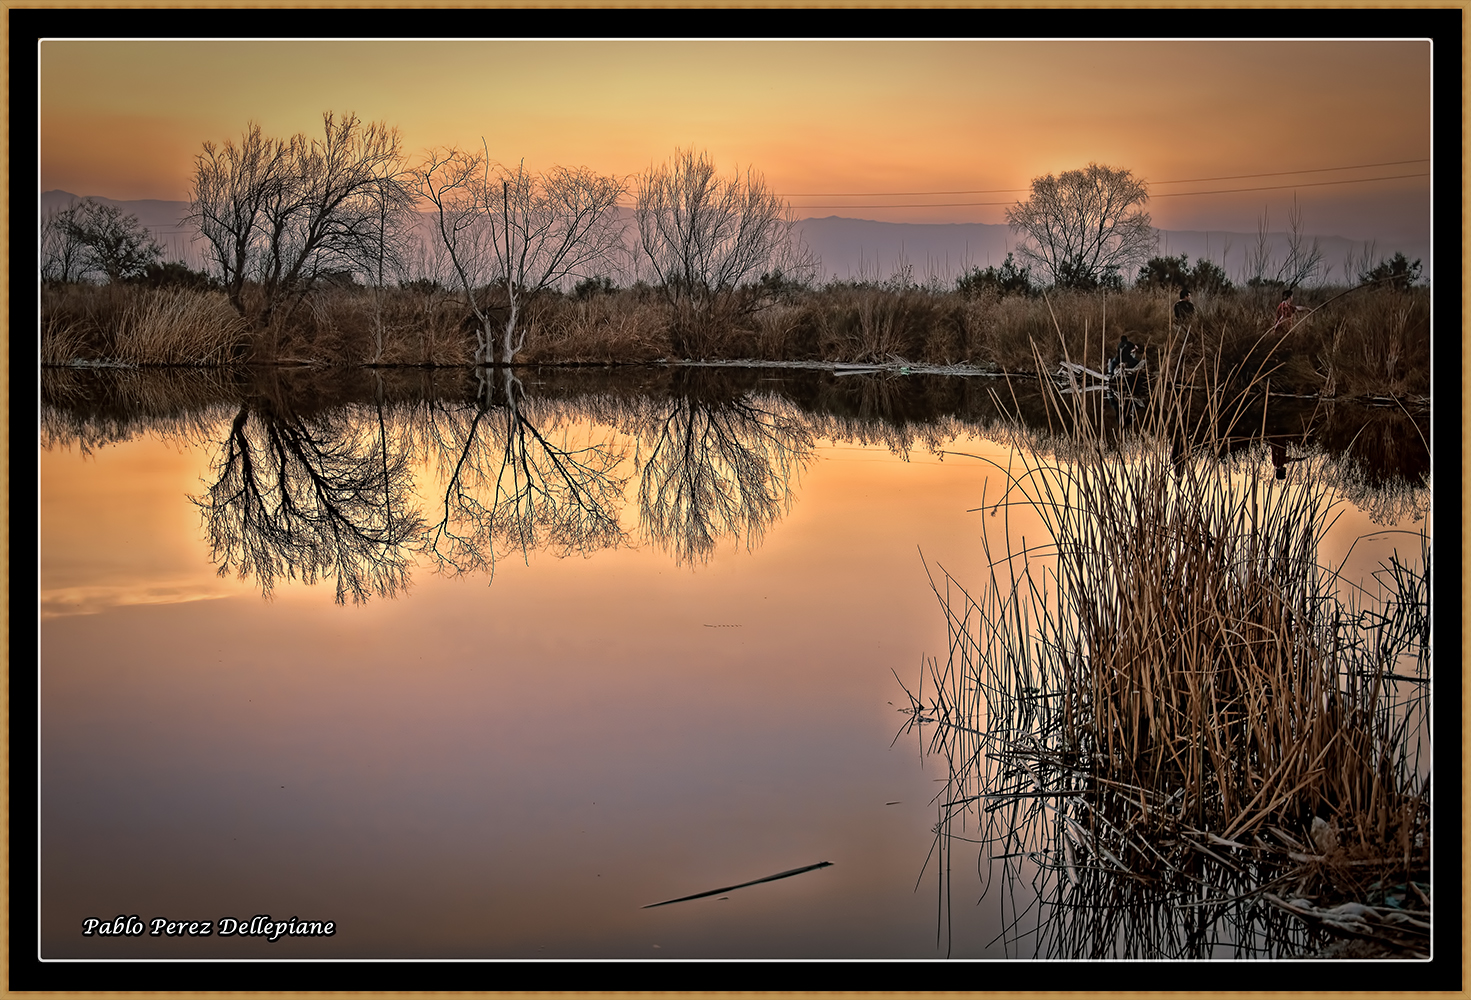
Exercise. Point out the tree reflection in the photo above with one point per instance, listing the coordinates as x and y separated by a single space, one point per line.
316 473
715 468
509 485
309 498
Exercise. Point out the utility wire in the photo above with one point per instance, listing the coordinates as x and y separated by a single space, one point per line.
1172 194
1278 187
1183 180
1283 173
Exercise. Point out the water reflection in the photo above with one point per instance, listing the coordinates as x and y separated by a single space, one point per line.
403 765
716 465
355 476
514 483
319 497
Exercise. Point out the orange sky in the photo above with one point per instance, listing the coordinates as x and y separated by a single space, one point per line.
882 118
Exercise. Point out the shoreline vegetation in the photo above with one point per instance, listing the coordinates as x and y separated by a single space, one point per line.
1364 342
1187 733
341 249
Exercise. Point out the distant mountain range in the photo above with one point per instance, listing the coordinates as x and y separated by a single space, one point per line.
864 249
859 248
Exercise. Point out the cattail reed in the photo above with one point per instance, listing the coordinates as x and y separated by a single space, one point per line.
1173 689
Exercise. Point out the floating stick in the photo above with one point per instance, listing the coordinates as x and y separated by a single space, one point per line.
731 888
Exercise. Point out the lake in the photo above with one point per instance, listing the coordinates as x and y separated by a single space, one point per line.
482 670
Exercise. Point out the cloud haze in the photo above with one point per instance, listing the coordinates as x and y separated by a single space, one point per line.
901 131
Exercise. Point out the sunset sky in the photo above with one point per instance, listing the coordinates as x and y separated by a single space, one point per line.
947 130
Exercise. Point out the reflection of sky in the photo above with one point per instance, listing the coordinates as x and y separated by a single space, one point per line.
116 528
498 769
511 768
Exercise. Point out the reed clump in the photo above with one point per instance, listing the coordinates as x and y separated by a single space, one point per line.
1178 690
139 326
177 327
598 329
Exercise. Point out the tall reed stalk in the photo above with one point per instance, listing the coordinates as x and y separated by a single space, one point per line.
1171 684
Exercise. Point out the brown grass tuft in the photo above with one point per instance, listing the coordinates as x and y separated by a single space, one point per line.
1173 681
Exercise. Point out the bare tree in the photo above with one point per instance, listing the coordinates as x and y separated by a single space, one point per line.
705 236
518 233
1259 260
1302 264
63 258
231 187
1304 260
559 225
453 181
1358 263
283 213
1086 227
93 237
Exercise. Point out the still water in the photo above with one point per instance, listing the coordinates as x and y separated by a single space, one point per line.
485 681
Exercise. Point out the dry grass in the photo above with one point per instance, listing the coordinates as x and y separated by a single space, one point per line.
175 327
602 329
1172 689
138 326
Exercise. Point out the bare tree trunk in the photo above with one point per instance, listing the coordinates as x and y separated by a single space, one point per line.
509 346
507 350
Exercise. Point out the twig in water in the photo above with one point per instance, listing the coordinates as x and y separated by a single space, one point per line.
732 888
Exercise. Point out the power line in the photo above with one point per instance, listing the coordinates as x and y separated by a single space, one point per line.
1283 173
1172 194
948 204
1279 187
1182 180
896 194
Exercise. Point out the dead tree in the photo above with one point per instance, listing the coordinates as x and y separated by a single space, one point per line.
282 213
706 236
515 234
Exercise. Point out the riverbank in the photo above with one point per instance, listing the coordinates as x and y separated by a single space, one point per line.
1346 343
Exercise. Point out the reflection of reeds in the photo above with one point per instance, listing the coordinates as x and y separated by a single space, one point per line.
1175 694
91 408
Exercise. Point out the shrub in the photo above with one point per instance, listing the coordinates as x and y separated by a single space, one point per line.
1398 273
588 287
1175 273
1008 279
174 274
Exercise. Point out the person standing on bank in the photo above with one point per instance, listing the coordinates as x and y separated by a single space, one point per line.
1184 309
1286 310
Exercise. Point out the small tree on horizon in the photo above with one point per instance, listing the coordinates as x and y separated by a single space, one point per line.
1085 228
1399 273
94 237
1008 279
1174 273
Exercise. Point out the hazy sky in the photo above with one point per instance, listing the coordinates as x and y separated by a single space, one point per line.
899 123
